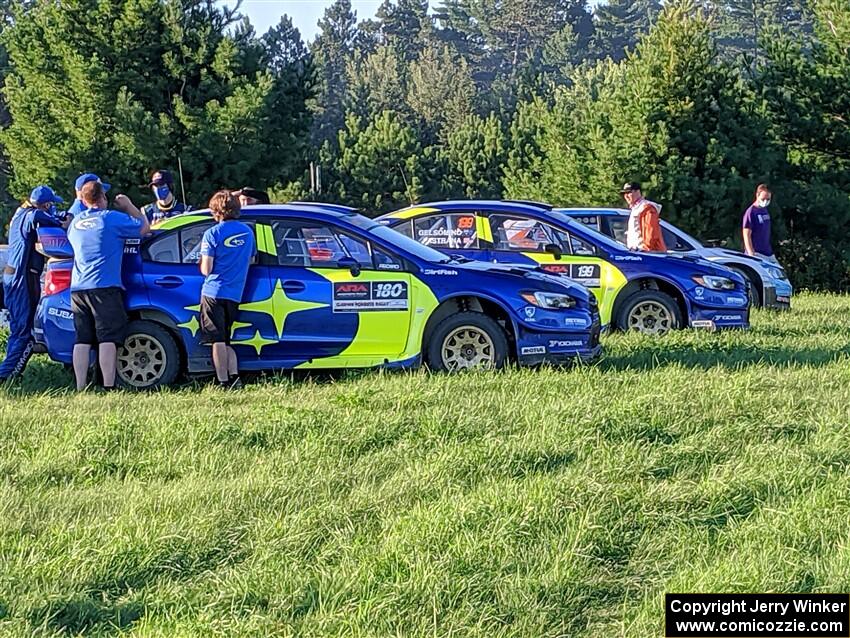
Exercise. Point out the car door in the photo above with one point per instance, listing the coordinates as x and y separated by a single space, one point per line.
172 276
339 300
452 232
521 239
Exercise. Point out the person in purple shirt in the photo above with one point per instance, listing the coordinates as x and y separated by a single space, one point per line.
756 226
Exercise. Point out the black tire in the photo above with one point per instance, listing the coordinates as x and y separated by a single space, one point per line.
474 337
663 314
755 287
149 357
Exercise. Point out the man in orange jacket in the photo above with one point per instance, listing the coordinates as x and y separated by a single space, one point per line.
644 230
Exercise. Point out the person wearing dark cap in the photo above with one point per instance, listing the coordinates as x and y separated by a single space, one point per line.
22 275
77 205
644 229
251 196
166 204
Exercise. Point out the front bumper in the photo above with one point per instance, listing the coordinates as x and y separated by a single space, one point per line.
777 297
708 319
534 348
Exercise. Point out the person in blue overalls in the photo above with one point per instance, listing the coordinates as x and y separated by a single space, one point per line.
77 205
166 204
22 276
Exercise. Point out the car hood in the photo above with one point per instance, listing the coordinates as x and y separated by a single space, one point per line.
531 274
695 261
727 253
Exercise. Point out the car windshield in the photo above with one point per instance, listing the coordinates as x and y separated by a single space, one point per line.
580 229
397 239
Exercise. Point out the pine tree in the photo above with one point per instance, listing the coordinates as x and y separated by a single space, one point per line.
474 157
332 51
405 26
141 83
620 24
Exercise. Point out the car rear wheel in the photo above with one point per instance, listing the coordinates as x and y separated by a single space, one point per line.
149 357
649 312
466 341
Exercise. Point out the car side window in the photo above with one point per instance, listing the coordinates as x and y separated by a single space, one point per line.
164 249
579 246
447 231
521 234
674 242
589 220
313 245
617 228
190 242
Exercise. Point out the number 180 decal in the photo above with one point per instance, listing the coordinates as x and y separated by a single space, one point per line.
352 296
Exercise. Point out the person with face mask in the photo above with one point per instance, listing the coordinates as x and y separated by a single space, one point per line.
166 204
756 226
22 275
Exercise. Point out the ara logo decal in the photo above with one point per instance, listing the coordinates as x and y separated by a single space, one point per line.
235 241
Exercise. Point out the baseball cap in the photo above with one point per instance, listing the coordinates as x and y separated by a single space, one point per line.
161 177
44 195
85 178
628 187
261 196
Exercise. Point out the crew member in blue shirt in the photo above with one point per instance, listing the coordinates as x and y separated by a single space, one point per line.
97 294
22 276
166 204
226 252
77 206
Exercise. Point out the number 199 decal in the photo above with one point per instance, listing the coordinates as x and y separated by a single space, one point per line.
369 296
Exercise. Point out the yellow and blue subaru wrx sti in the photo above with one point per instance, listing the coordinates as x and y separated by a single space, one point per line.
651 293
330 289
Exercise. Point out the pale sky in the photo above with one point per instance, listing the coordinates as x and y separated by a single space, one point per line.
304 13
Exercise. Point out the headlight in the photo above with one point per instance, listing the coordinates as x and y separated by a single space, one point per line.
550 300
776 273
715 283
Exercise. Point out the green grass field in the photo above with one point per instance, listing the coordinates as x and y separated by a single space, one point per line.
522 503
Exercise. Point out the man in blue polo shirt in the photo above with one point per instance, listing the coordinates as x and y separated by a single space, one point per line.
22 276
226 252
77 206
97 236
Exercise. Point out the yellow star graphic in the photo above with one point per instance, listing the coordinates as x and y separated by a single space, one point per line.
278 306
257 342
236 326
192 325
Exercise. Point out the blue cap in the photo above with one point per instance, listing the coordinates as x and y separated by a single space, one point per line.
44 195
85 178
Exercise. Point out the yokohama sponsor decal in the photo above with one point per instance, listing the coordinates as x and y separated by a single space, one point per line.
355 296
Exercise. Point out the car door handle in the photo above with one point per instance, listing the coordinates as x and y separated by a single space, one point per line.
293 286
169 282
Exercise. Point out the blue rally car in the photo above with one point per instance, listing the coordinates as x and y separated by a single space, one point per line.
769 284
652 293
330 289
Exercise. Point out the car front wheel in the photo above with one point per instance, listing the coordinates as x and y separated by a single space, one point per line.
649 312
149 357
466 341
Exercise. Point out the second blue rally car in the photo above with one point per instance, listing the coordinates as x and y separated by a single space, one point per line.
648 292
330 289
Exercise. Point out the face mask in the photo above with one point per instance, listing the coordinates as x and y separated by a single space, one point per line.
162 192
764 203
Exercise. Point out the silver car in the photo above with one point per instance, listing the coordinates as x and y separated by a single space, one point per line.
769 285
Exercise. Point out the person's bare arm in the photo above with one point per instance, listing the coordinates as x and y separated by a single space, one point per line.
206 265
748 241
125 204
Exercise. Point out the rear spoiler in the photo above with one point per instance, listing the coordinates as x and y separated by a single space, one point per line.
53 242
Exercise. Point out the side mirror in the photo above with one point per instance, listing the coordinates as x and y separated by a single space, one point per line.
554 250
352 264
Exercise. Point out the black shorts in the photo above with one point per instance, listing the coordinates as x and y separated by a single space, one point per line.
99 316
217 317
